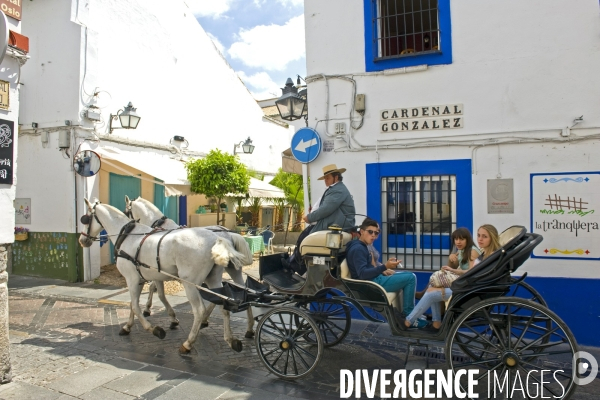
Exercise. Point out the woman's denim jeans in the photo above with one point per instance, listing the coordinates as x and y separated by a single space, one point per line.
431 299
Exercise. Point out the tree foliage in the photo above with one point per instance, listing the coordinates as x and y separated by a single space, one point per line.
217 175
292 187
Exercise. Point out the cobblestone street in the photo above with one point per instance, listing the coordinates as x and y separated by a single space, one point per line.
66 347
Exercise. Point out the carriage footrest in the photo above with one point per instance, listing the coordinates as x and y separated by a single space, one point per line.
284 280
262 289
233 292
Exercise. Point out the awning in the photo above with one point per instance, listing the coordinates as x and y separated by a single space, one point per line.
264 189
261 189
289 163
171 172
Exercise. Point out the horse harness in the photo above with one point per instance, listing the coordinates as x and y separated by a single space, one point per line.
118 253
126 231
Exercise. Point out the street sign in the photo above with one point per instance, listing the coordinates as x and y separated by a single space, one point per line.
306 145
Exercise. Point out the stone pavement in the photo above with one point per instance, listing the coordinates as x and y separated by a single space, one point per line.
65 345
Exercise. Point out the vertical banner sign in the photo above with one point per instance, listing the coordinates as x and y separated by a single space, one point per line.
6 151
565 210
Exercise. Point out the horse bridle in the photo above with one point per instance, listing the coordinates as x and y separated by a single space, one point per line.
87 220
129 213
128 208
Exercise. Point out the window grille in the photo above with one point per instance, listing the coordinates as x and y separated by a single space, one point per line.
419 215
405 27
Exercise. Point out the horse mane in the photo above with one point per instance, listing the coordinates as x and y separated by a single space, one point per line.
150 206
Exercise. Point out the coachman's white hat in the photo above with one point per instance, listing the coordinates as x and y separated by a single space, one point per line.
330 169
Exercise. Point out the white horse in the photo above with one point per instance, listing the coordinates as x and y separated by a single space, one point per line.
187 254
148 214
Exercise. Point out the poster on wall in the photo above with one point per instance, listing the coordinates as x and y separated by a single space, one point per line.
500 196
563 211
6 151
22 211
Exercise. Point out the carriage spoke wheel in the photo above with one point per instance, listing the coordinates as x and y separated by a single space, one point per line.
516 340
333 319
283 345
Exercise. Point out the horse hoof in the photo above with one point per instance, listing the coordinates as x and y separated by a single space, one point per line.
249 335
174 325
203 325
123 332
183 350
236 345
159 332
146 313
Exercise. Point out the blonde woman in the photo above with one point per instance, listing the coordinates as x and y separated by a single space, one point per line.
488 241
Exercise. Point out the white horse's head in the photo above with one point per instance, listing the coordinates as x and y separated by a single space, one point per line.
97 217
142 210
92 225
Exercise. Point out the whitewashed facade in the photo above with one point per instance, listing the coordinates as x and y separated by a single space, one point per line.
96 56
518 81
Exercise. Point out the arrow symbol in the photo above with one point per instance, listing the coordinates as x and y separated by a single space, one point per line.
302 146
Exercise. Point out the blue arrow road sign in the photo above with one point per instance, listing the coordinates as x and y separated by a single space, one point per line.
306 145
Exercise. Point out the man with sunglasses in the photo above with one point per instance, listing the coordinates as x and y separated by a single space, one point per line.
362 266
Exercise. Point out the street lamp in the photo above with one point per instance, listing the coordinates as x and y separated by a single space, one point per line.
247 146
291 105
128 117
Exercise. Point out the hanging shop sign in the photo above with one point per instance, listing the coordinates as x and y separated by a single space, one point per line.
4 95
6 151
563 211
448 116
12 8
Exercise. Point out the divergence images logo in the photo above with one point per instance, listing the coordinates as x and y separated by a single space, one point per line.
580 367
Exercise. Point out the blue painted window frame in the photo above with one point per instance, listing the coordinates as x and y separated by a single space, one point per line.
459 168
444 56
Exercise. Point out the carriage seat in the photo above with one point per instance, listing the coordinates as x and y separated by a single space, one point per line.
346 276
316 243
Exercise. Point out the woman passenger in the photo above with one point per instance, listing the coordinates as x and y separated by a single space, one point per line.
459 264
488 241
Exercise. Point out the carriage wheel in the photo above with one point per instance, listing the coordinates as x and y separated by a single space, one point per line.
333 319
282 343
515 339
526 291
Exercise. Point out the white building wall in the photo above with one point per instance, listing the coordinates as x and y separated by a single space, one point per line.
9 71
161 59
524 79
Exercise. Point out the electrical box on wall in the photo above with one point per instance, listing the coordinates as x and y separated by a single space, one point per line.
359 103
64 139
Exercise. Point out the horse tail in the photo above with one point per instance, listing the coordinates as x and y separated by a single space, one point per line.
223 253
241 246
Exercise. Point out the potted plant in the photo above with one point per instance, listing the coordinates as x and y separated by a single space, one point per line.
223 207
21 233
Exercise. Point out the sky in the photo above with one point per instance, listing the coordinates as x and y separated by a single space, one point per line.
263 40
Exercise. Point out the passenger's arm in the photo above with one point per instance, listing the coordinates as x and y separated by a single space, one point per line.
359 262
459 271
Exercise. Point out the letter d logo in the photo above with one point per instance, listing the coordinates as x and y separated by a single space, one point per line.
581 361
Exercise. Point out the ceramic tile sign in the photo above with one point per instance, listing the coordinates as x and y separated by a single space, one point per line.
22 211
500 196
565 210
6 151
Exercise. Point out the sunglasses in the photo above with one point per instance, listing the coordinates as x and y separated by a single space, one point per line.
371 232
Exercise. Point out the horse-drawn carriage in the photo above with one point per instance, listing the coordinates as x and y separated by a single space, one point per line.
495 325
485 327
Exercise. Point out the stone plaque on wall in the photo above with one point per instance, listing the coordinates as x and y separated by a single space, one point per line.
500 196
